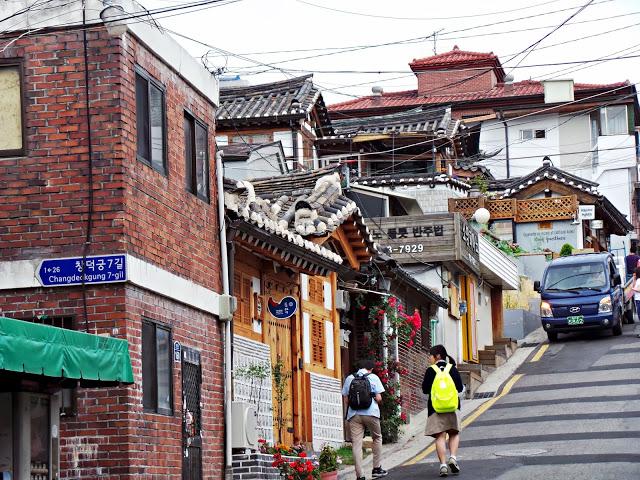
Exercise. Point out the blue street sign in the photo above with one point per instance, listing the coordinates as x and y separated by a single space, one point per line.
285 309
177 348
62 272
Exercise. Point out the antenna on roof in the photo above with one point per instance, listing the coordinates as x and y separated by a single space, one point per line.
435 39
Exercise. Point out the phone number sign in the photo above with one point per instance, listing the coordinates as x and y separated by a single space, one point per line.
63 272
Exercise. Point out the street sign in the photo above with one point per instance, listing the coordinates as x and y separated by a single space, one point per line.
177 348
285 309
63 272
586 212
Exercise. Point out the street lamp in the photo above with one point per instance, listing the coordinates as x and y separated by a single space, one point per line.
482 216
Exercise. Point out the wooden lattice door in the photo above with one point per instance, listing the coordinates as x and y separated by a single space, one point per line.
278 335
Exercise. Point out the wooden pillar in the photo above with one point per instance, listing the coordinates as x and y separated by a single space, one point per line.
497 313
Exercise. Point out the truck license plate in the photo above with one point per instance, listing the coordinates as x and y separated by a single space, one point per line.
577 320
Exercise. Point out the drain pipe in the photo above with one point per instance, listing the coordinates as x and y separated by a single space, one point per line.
224 258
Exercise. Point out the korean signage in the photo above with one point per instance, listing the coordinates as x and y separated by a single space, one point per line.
437 237
286 308
586 212
62 272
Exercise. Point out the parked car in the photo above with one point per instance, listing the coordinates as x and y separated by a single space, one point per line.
582 292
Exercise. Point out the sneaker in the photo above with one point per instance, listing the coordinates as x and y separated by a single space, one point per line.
378 472
453 465
444 471
361 478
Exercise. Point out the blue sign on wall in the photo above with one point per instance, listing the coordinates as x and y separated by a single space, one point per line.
285 309
62 272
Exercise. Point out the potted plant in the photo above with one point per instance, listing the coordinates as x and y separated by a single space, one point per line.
296 468
329 461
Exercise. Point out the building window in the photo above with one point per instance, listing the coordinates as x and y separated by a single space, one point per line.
613 120
157 387
196 153
150 122
530 134
318 340
11 131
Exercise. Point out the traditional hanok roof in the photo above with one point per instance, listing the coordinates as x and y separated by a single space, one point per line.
474 169
417 121
242 151
619 224
410 98
549 172
299 207
397 180
274 102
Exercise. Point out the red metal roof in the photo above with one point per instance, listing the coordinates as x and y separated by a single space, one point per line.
455 57
410 98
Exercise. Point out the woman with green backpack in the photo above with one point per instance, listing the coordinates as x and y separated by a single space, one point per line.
442 383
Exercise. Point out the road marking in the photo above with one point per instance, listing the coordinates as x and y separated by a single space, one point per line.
540 352
468 420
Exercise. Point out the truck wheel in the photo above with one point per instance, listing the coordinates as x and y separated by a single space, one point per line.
628 314
553 336
617 330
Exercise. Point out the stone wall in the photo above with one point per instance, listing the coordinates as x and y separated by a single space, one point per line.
326 411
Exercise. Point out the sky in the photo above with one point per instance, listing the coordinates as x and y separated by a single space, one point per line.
320 31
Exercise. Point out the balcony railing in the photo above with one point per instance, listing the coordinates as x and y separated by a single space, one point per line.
522 211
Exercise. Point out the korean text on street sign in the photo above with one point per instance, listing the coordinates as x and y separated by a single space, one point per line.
62 272
586 212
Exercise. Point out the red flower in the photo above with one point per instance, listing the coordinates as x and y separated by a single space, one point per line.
403 417
302 455
380 312
392 301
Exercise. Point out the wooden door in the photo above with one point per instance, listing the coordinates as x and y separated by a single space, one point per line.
469 324
278 335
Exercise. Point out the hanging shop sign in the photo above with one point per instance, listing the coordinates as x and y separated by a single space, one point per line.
286 308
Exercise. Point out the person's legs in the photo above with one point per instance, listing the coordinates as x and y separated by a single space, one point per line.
373 425
441 447
357 433
454 442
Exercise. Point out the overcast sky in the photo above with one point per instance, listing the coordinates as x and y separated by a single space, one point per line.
255 27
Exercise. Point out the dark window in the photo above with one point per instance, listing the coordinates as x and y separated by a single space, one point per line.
150 122
11 110
157 388
196 153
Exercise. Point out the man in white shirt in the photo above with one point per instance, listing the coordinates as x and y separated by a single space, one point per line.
368 418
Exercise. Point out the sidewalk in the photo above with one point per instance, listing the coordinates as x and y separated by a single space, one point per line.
413 440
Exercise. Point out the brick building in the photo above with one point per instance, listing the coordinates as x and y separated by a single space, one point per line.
133 175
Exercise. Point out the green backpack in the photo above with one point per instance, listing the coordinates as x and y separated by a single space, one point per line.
444 394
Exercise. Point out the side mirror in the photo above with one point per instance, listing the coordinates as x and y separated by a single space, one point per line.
617 280
536 285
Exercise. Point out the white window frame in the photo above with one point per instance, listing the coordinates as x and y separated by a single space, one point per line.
604 126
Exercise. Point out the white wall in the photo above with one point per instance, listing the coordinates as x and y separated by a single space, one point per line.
448 330
492 138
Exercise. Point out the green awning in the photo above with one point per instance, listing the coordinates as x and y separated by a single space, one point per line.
36 349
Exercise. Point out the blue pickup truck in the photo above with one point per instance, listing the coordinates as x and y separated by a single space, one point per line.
582 292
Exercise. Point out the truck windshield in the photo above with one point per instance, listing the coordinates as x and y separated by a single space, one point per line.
569 277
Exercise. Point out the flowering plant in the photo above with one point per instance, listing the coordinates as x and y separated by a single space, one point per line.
400 326
329 459
300 468
280 448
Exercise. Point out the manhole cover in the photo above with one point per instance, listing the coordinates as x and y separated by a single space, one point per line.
525 452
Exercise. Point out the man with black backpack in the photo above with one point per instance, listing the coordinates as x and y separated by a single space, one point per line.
362 393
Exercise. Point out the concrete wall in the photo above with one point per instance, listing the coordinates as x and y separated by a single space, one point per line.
431 200
534 239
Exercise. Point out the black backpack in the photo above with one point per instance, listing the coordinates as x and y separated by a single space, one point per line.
360 392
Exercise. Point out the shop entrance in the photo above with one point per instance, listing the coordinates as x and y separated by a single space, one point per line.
191 415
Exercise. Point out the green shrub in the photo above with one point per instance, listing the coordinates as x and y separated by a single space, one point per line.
566 250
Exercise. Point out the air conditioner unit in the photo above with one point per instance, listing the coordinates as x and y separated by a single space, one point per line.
244 429
342 300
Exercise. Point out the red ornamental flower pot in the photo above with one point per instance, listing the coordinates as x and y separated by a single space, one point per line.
329 475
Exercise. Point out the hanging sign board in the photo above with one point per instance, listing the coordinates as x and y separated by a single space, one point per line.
286 308
597 224
586 212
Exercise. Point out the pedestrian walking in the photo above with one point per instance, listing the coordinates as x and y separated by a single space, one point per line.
631 262
362 393
636 291
442 383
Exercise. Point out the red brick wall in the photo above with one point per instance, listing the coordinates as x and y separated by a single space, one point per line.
455 81
111 437
43 213
163 221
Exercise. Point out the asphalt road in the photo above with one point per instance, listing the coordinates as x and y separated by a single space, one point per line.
574 414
